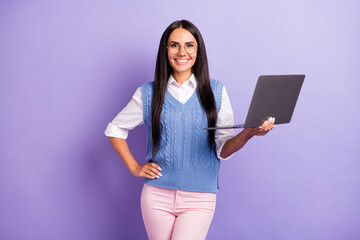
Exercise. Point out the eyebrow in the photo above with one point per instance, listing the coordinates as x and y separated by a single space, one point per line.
179 43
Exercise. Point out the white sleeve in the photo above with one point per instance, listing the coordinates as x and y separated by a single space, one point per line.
225 117
130 117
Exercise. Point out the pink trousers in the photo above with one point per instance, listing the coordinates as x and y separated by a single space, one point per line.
176 214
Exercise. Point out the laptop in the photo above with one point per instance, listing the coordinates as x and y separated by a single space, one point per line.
274 96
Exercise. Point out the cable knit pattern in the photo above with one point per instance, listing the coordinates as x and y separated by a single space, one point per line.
185 157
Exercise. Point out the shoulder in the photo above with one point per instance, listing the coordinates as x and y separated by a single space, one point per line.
217 88
216 84
147 92
147 85
147 88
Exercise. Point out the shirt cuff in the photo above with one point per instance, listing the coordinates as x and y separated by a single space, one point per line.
114 131
219 146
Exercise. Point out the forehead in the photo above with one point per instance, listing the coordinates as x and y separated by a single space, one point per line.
181 35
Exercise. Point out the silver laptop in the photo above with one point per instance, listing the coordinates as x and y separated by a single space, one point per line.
274 96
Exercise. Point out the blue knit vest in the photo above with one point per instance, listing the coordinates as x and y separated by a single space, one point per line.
185 157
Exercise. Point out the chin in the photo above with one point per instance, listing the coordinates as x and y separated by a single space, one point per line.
183 68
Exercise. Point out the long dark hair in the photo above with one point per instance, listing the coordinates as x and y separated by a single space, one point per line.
163 70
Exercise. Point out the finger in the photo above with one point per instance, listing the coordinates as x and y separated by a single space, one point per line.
147 175
152 169
155 171
264 124
150 174
262 127
155 166
272 123
144 173
269 124
262 131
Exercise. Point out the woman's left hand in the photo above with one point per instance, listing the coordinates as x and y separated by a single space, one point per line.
236 143
262 130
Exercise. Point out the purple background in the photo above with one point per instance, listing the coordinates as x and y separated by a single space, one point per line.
68 67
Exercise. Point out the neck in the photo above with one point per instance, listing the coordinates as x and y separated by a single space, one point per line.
181 77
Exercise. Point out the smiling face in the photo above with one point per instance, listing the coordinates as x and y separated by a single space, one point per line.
180 60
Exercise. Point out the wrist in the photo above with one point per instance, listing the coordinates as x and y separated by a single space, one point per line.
134 169
247 133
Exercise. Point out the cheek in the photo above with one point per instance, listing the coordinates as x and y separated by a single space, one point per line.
194 59
170 60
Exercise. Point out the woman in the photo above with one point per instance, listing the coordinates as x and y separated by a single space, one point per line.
181 174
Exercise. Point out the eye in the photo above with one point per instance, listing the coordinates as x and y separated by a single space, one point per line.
174 45
190 45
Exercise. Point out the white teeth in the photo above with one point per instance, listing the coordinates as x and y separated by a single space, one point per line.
182 61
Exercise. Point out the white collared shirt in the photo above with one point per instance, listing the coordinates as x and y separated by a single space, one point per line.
132 115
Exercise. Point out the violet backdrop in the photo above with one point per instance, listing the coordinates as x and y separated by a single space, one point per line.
68 67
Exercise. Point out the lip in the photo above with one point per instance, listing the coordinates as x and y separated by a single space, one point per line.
182 61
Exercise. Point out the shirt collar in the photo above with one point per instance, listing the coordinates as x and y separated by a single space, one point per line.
192 80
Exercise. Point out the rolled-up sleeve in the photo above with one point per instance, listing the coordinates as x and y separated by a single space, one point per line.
130 117
225 117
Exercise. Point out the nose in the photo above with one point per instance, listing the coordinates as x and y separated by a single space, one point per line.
182 51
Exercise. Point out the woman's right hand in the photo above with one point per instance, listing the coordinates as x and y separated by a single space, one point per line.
149 170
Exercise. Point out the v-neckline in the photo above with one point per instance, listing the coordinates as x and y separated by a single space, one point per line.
178 102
